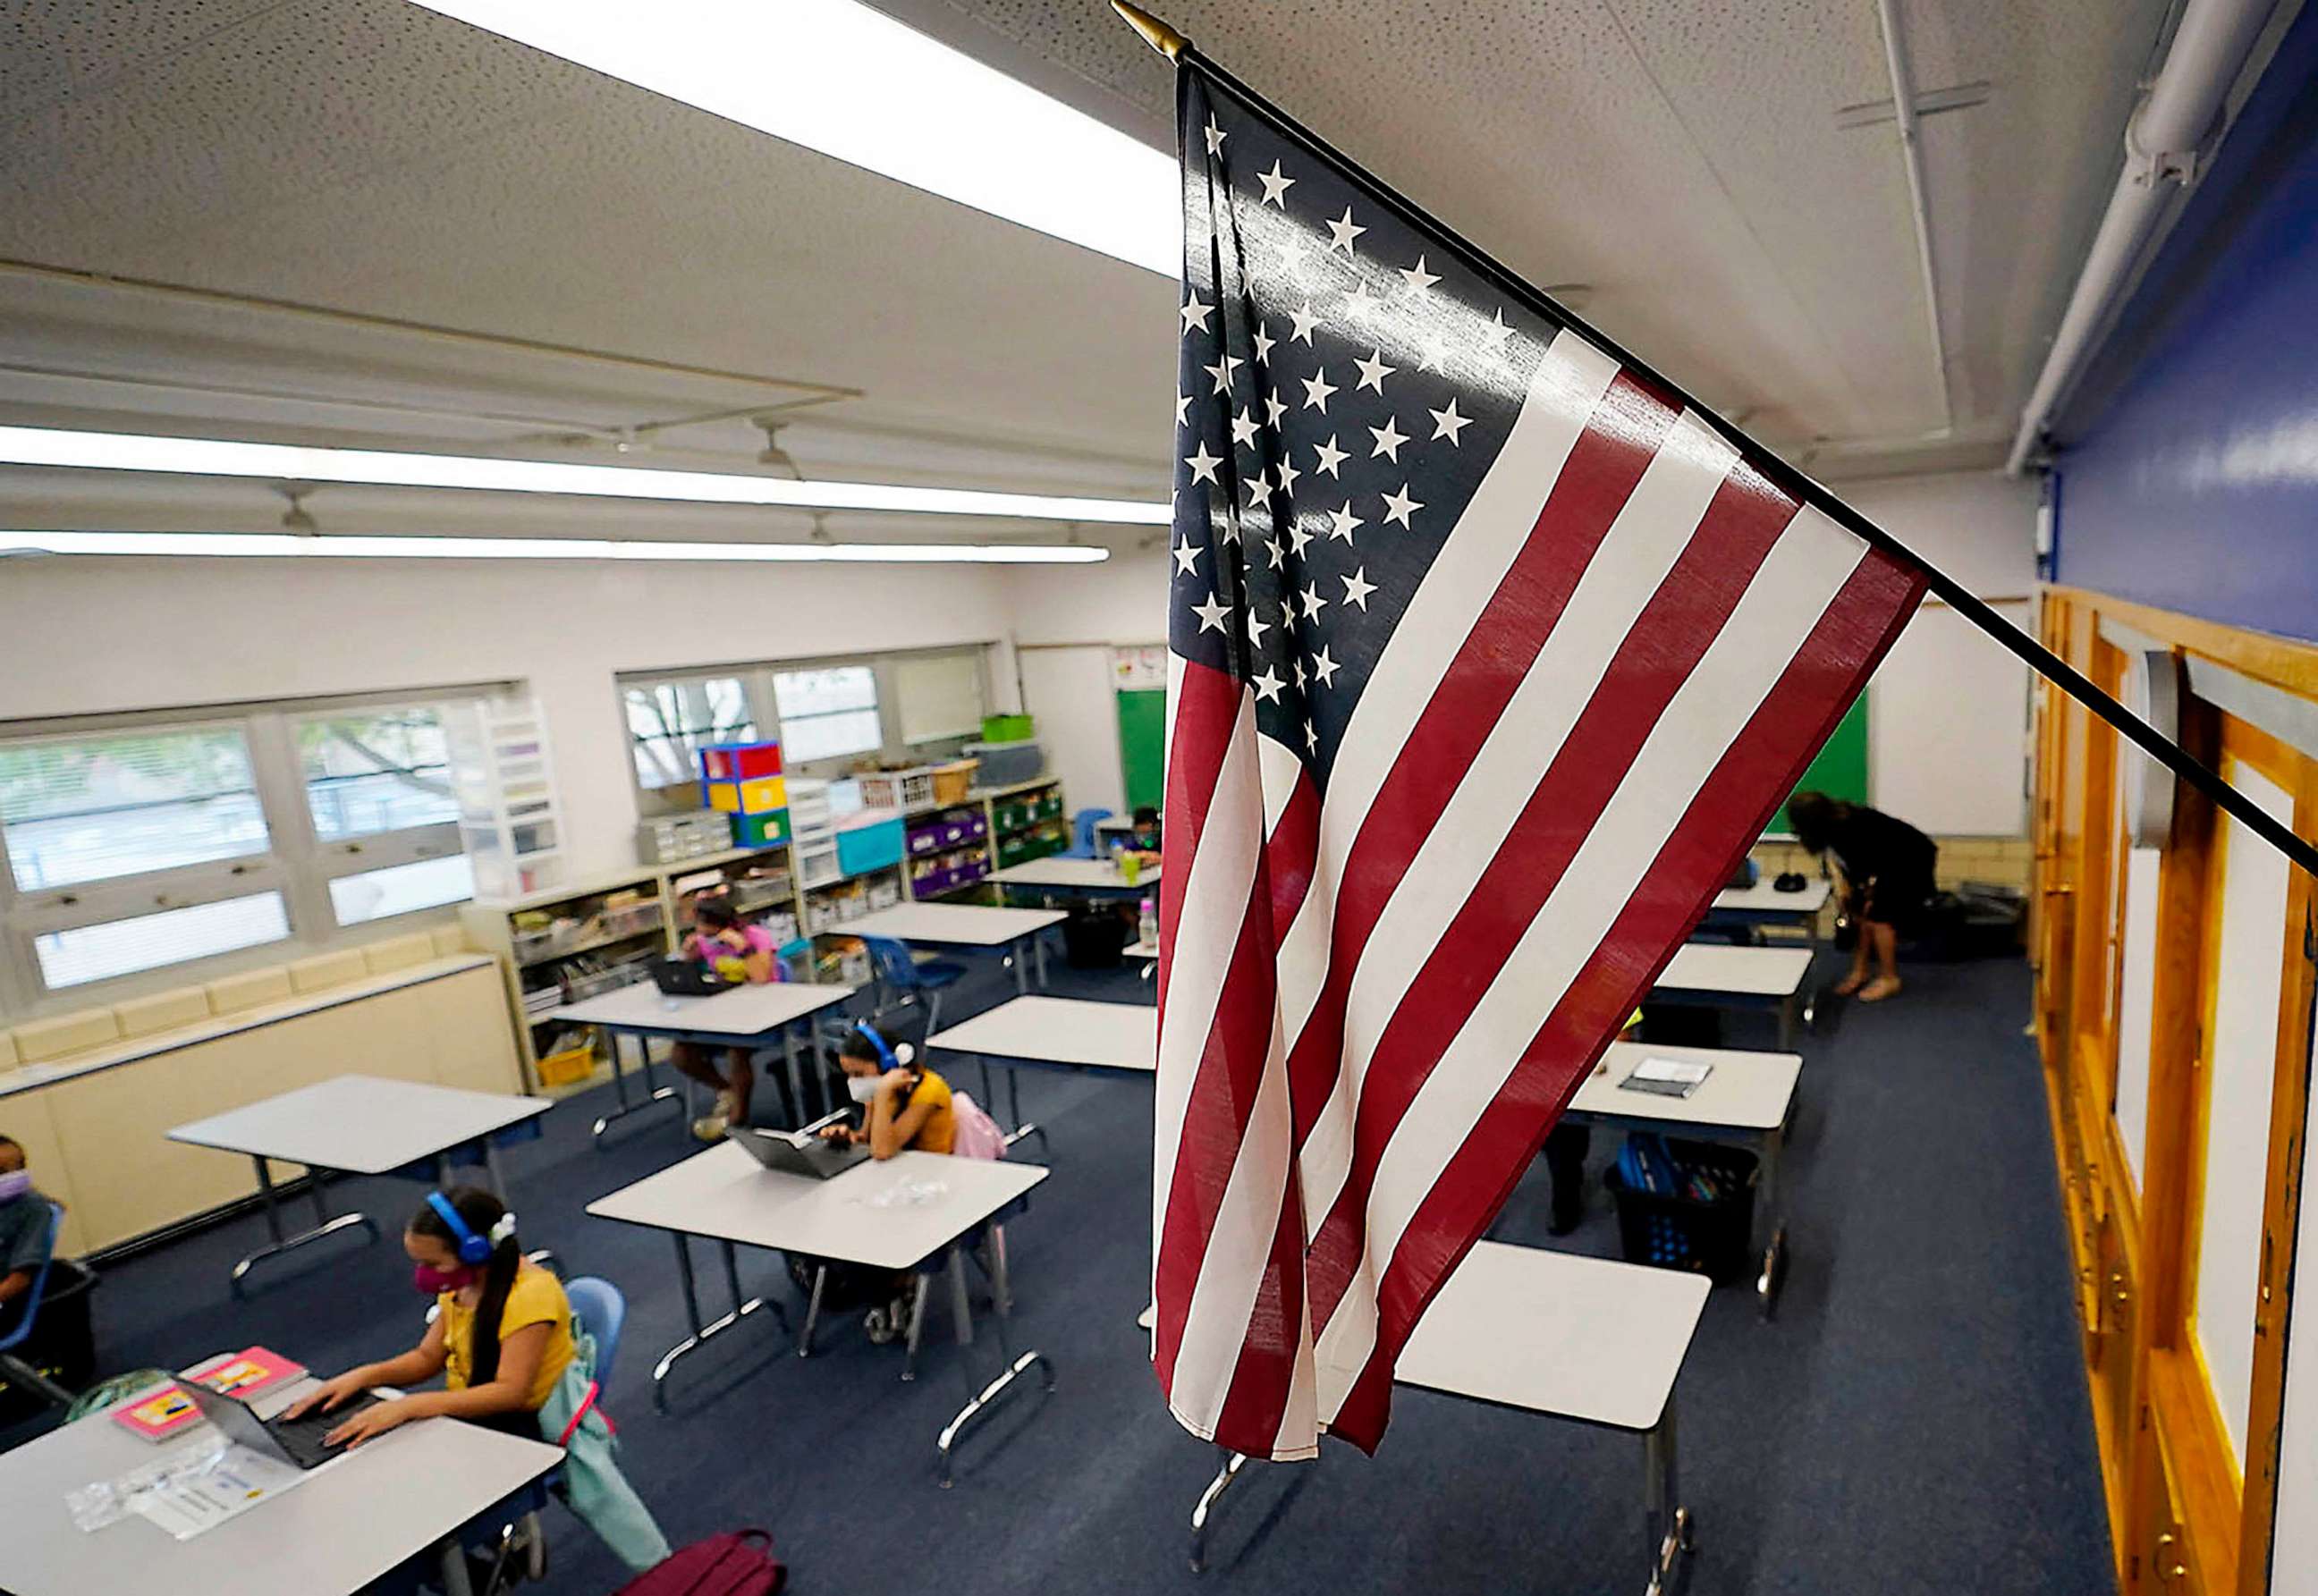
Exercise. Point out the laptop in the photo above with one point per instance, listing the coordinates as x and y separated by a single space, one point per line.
683 978
295 1442
791 1153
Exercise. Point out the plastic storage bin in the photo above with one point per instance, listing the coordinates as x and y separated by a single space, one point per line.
873 847
954 781
1004 764
897 789
1708 1234
810 810
740 761
761 831
1008 729
817 864
759 795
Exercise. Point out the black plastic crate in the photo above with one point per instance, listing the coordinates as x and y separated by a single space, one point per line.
1715 1237
1095 936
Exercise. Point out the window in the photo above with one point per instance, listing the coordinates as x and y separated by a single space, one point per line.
670 723
95 809
941 697
145 847
827 711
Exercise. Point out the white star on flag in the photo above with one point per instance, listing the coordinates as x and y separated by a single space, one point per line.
1360 305
1419 279
1288 473
1400 507
1215 137
1276 185
1202 463
1317 389
1256 626
1196 314
1357 588
1274 408
1297 537
1343 230
1305 322
1448 423
1497 335
1182 408
1211 614
1263 343
1342 522
1267 685
1324 668
1222 371
1373 371
1388 440
1187 554
1313 603
1330 457
1244 428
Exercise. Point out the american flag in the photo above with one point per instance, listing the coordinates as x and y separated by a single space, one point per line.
1488 662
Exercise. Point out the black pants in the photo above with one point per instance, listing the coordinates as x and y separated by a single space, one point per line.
1565 1147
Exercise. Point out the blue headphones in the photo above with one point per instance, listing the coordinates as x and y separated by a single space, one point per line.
886 1054
472 1248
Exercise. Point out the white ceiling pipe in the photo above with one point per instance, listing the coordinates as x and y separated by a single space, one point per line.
2162 145
1911 158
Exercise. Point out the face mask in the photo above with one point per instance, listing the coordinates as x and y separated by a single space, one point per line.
863 1088
429 1281
14 1184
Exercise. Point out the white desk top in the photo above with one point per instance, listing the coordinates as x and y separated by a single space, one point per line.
1748 1090
958 925
736 1011
1736 972
1061 1031
1762 897
343 1526
360 1124
1554 1332
1143 950
1085 875
725 1193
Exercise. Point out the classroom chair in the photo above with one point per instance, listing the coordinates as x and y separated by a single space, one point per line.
16 1369
1083 825
599 1308
900 973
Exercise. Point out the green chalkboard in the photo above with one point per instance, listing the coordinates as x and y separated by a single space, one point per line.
1841 770
1142 746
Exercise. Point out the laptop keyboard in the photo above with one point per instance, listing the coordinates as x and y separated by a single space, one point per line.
302 1436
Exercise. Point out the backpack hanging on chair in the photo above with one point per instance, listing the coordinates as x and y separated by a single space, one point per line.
975 1134
740 1563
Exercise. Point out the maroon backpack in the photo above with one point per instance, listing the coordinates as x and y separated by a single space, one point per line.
738 1564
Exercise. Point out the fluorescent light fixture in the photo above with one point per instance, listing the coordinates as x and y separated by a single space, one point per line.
284 545
851 83
218 457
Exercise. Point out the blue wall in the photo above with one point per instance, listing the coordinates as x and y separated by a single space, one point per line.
2188 465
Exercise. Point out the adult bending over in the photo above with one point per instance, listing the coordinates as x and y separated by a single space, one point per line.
1887 872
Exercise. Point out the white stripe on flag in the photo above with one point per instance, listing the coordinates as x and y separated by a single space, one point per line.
1564 391
1797 581
1215 897
1647 536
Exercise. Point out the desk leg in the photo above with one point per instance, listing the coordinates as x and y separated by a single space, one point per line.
1022 948
1787 1023
654 1095
702 1334
1012 1366
1206 1507
796 1071
1671 1530
813 1310
1022 1128
1038 954
1770 1223
454 1557
324 1224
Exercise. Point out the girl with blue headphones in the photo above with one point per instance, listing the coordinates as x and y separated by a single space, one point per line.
501 1340
902 1104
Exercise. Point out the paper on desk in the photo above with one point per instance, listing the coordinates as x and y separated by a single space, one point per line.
198 1501
1673 1078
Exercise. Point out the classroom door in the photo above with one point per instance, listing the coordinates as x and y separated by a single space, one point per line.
1069 693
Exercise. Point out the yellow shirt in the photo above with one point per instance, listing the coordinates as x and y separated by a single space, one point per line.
536 1297
939 1132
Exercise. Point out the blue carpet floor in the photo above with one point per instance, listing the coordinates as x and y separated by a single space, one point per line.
1914 1419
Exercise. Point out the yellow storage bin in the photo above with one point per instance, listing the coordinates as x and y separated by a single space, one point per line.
568 1067
763 794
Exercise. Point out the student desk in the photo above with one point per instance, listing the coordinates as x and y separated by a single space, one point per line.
1094 878
1709 976
725 1195
1748 1101
966 925
1588 1340
1763 904
360 1125
1040 1033
343 1526
738 1016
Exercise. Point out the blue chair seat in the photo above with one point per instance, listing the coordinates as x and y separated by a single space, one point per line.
1082 839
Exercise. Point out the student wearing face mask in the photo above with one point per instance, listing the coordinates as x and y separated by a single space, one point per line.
23 1229
903 1105
503 1340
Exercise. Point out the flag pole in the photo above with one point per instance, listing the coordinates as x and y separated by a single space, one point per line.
1784 476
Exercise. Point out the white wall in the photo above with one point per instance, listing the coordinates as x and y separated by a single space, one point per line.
85 636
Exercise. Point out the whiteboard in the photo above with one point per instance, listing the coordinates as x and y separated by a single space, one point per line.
1947 749
2136 995
2249 976
1069 693
2294 1553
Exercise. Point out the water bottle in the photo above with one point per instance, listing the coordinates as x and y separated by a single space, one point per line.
1146 924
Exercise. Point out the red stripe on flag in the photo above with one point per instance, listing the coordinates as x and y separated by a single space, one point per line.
1722 820
1620 440
1657 655
1249 1420
1207 711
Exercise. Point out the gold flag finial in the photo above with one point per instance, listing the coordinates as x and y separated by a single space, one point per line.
1155 33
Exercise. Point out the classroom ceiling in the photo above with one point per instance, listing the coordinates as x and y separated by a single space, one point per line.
511 253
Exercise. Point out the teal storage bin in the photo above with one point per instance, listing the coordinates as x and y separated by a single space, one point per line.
864 848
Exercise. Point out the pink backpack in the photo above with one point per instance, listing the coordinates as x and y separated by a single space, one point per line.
975 1134
738 1564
